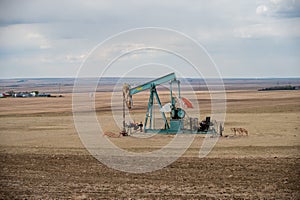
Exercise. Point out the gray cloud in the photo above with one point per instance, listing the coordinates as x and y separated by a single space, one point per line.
46 36
279 8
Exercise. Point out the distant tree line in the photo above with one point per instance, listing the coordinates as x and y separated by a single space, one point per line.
285 87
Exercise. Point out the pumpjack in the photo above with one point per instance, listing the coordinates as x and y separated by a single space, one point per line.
178 121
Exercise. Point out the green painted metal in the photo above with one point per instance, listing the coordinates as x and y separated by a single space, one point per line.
177 115
153 93
156 82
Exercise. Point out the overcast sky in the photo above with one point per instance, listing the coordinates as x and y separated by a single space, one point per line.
46 38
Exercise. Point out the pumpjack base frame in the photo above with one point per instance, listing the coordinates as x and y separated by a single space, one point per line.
177 127
184 131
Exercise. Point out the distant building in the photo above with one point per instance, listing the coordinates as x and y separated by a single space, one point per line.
26 94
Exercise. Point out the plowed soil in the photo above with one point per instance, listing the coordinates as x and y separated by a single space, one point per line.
41 156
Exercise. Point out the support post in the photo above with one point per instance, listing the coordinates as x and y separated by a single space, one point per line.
149 110
178 86
123 132
160 107
153 92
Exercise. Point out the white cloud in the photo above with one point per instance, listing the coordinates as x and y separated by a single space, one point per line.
279 8
75 58
262 9
23 37
276 19
40 39
286 28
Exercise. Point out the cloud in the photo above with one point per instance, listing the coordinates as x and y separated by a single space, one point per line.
23 37
40 39
49 34
279 8
275 19
75 58
262 9
277 29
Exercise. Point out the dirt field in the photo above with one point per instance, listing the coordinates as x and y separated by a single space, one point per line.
42 156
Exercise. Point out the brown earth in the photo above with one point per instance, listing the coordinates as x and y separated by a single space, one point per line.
42 156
